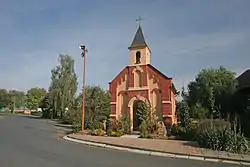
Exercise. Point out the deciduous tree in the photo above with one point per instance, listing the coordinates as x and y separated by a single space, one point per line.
35 97
210 89
63 85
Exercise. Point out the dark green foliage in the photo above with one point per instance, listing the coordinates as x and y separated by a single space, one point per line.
12 99
17 98
183 111
97 104
183 133
126 124
188 133
173 130
143 111
5 100
218 135
63 86
35 97
210 90
241 108
144 115
148 127
95 125
46 106
199 112
144 130
96 109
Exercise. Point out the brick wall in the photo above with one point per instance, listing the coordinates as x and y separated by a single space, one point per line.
167 109
164 85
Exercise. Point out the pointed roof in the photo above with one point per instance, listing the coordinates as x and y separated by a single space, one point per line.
138 40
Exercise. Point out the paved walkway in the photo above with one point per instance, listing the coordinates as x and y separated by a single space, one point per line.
167 146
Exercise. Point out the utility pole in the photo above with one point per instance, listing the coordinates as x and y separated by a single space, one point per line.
14 104
84 51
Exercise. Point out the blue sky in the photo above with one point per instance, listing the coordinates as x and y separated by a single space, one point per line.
184 37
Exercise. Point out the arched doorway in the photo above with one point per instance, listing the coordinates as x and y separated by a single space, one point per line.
133 109
137 107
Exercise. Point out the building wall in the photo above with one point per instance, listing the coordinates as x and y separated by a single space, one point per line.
155 88
145 55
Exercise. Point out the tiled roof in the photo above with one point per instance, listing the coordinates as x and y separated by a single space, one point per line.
138 40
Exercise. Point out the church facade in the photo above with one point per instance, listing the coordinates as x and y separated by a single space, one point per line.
140 81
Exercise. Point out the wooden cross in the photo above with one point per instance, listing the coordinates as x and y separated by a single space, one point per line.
139 20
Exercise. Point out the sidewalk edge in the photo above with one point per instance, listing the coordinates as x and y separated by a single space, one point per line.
157 153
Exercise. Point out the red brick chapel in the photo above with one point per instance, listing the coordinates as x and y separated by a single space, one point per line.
140 81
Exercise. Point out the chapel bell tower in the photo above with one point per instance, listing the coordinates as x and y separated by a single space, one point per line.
139 50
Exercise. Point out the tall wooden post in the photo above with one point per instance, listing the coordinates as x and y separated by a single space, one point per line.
84 50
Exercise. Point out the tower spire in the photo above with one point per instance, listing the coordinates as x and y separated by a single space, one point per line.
139 39
139 50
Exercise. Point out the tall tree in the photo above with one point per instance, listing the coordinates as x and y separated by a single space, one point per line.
46 106
97 104
35 97
17 99
210 89
63 85
5 99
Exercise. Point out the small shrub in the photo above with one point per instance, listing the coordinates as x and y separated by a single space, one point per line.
158 131
72 116
184 115
109 132
216 123
95 125
76 126
149 126
116 128
125 124
218 135
188 133
174 130
144 132
97 132
183 133
116 125
116 134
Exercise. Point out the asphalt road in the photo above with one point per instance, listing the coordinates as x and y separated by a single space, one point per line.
29 142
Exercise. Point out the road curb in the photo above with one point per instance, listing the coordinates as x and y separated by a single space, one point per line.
157 153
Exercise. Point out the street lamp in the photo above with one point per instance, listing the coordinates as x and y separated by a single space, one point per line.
84 51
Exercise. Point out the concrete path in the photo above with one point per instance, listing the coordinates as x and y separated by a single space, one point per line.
31 142
170 148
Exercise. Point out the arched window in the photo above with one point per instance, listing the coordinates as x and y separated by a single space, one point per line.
138 78
138 57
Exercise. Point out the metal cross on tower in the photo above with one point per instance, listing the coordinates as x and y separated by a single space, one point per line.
139 20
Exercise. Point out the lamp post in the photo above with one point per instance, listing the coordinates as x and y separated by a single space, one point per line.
84 51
